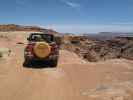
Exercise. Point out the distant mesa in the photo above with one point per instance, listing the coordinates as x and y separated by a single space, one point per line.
108 35
13 27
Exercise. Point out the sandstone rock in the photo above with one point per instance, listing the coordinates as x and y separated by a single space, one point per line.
116 91
97 50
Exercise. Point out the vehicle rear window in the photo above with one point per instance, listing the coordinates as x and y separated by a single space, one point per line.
42 37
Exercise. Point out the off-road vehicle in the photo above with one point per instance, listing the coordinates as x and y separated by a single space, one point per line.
41 47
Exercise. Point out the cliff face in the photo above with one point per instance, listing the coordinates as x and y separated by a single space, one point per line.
98 50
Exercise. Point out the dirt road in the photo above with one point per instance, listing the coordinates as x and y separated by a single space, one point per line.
73 79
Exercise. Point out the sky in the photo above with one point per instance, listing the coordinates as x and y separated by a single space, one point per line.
72 16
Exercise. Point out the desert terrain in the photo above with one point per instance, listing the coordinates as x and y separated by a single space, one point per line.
73 79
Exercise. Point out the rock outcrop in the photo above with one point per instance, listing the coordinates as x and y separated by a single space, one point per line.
13 27
95 50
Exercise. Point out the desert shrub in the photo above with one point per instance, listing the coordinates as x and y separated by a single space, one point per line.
1 55
4 52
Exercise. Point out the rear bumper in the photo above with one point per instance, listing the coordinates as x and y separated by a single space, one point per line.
50 57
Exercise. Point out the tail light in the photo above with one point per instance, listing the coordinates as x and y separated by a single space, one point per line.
29 48
54 47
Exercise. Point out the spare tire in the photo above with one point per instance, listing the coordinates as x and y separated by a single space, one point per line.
42 49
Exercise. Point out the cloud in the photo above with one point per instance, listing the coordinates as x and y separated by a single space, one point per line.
71 4
91 28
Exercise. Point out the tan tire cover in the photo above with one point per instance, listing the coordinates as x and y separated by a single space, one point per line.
42 49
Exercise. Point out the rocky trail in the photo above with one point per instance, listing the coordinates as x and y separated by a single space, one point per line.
73 79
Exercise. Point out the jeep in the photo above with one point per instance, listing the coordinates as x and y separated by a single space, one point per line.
41 47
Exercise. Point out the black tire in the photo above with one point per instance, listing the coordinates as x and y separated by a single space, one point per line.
53 63
27 62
